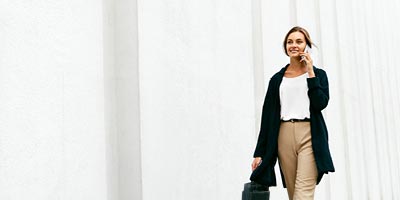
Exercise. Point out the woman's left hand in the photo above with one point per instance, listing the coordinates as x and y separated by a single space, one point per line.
308 63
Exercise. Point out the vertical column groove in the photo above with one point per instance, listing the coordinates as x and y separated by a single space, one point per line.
258 64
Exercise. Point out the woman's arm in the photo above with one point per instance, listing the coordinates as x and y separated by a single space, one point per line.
262 137
318 91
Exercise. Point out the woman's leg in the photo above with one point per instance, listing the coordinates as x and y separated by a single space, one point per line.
306 176
287 154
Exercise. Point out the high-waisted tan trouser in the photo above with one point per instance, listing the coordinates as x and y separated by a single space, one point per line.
296 159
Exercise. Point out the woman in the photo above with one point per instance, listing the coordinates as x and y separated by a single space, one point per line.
292 126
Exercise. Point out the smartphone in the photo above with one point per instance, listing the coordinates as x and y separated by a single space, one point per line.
307 50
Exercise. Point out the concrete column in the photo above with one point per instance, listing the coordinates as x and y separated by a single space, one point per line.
52 138
196 98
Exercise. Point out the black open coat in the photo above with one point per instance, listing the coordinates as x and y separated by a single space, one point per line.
267 145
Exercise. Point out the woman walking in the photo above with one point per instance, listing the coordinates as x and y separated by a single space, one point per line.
293 129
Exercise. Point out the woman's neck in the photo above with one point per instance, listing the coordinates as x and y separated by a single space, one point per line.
295 64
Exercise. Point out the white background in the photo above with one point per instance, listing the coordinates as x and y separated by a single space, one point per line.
124 99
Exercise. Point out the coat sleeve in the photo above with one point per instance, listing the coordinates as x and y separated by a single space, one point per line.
263 136
318 91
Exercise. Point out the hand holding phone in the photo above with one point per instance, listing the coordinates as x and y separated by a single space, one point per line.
306 50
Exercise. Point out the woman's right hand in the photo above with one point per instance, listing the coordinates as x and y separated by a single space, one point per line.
256 163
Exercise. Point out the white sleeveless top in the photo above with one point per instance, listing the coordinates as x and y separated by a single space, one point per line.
295 103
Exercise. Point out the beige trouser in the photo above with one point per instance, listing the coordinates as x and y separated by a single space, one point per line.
297 160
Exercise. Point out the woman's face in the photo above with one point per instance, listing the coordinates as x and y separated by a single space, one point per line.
295 44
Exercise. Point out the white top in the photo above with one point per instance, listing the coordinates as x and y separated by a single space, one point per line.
295 103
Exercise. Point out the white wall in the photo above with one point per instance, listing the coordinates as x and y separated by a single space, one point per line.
52 137
69 120
196 94
118 99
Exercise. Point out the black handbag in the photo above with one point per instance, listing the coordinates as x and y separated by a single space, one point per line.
255 191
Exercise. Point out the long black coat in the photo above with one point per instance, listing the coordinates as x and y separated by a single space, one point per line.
267 145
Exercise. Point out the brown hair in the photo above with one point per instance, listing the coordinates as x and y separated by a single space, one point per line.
301 30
